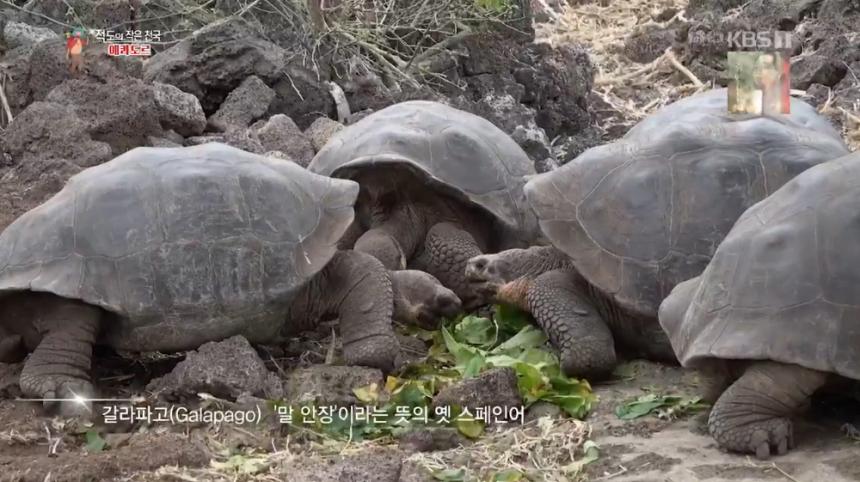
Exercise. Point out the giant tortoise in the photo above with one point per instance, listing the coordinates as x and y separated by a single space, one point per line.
630 220
776 314
438 186
165 249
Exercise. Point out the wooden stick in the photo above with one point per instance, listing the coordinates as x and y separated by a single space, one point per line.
5 101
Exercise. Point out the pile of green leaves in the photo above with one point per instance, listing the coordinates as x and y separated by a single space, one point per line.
461 349
476 344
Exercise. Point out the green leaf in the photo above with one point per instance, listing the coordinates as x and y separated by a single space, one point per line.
625 371
450 475
574 405
470 428
509 475
528 337
476 331
474 366
531 381
95 442
591 452
462 353
510 320
411 394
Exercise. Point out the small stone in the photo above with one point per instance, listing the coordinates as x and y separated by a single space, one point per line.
244 105
321 130
432 439
329 384
542 409
225 369
280 133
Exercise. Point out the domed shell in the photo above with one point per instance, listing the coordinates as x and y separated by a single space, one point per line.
644 213
184 245
456 151
784 285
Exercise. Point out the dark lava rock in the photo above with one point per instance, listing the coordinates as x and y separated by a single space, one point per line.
214 60
17 34
816 69
247 103
225 369
32 182
329 384
321 130
179 111
646 46
34 70
280 133
120 115
48 130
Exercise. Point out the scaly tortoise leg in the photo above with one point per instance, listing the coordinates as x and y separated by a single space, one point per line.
357 287
59 368
754 414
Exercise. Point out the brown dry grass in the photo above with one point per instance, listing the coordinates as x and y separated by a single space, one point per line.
633 90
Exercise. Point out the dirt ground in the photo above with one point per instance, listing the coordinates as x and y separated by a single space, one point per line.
647 449
652 450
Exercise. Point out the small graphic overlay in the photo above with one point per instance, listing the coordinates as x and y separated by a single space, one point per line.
781 40
129 50
759 83
129 43
76 40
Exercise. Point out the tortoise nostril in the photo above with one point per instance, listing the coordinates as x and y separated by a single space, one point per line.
480 263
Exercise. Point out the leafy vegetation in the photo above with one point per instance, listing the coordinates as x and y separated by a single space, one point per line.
94 441
460 349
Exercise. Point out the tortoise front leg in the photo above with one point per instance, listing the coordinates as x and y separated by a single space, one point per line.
447 250
754 414
421 300
573 325
59 367
357 287
394 240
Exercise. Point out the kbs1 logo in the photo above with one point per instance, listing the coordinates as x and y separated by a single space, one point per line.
744 39
131 43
